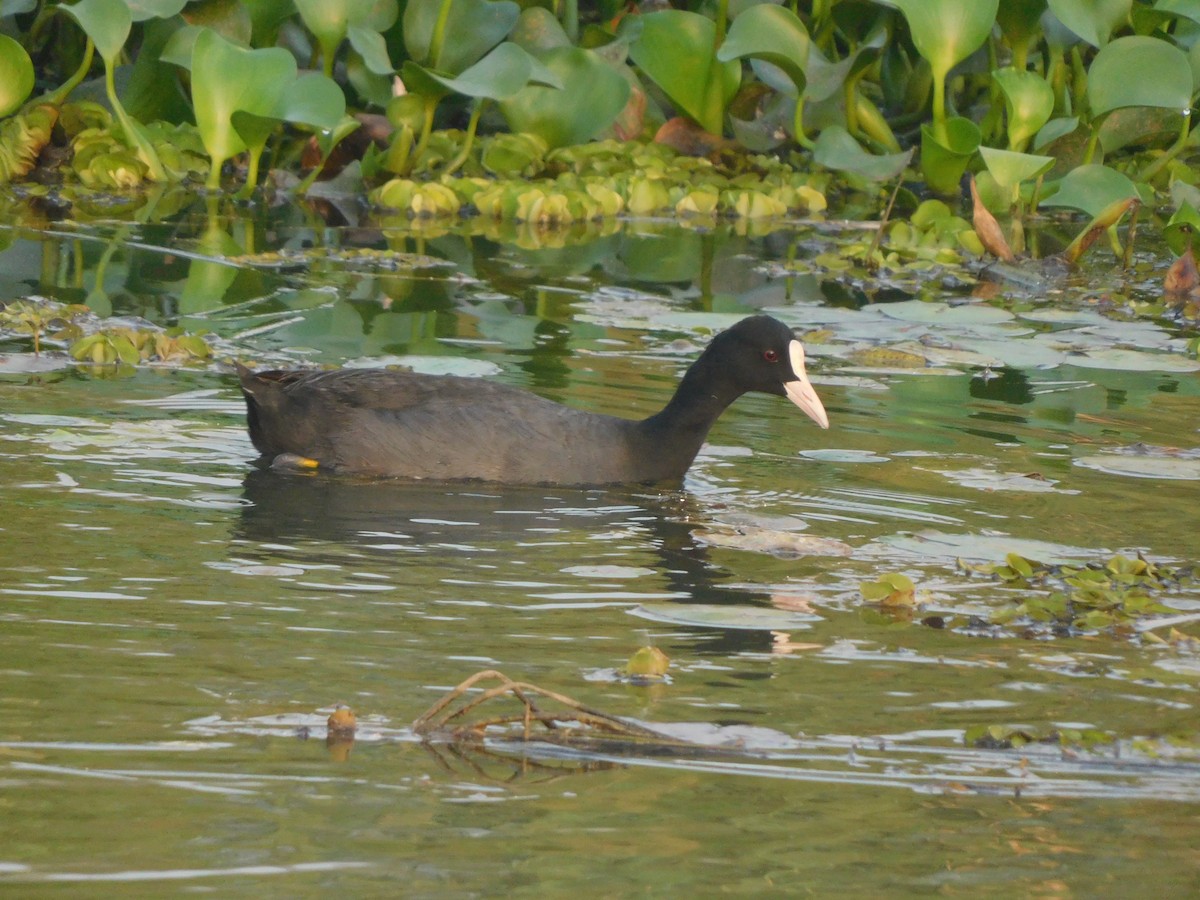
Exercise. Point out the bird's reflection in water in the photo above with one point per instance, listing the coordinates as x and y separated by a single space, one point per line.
314 520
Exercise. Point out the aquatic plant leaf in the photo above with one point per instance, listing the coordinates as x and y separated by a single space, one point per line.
1139 71
1091 188
892 589
16 75
1029 101
22 138
1010 168
945 32
329 22
472 28
591 97
674 49
1055 129
234 79
752 618
538 29
371 46
647 662
1092 20
985 547
106 22
500 74
943 162
141 10
1182 228
771 33
837 149
1019 20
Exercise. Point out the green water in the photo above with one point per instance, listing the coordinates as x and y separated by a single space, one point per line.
176 626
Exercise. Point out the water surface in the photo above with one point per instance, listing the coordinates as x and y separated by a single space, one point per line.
176 624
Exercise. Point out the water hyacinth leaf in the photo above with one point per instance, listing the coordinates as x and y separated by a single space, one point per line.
674 49
179 47
106 22
1186 9
1029 101
500 74
1182 228
16 75
591 97
314 100
1010 168
329 23
1139 71
538 29
945 32
943 162
1055 129
1019 23
771 33
371 46
141 10
1091 189
837 149
476 25
1092 20
235 79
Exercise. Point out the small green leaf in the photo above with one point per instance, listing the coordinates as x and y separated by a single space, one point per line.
16 75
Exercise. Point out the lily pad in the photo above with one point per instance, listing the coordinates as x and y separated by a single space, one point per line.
1171 468
28 363
750 618
945 314
986 547
990 480
608 571
1132 361
843 456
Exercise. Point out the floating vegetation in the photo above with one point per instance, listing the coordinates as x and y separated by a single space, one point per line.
648 664
1014 737
607 179
1116 595
87 338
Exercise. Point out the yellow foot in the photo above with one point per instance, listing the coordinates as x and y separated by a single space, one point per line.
292 462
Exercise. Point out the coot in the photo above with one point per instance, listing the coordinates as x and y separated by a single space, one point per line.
387 423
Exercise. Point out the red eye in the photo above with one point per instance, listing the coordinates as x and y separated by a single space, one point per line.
771 355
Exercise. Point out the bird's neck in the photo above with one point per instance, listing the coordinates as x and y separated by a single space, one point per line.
703 394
